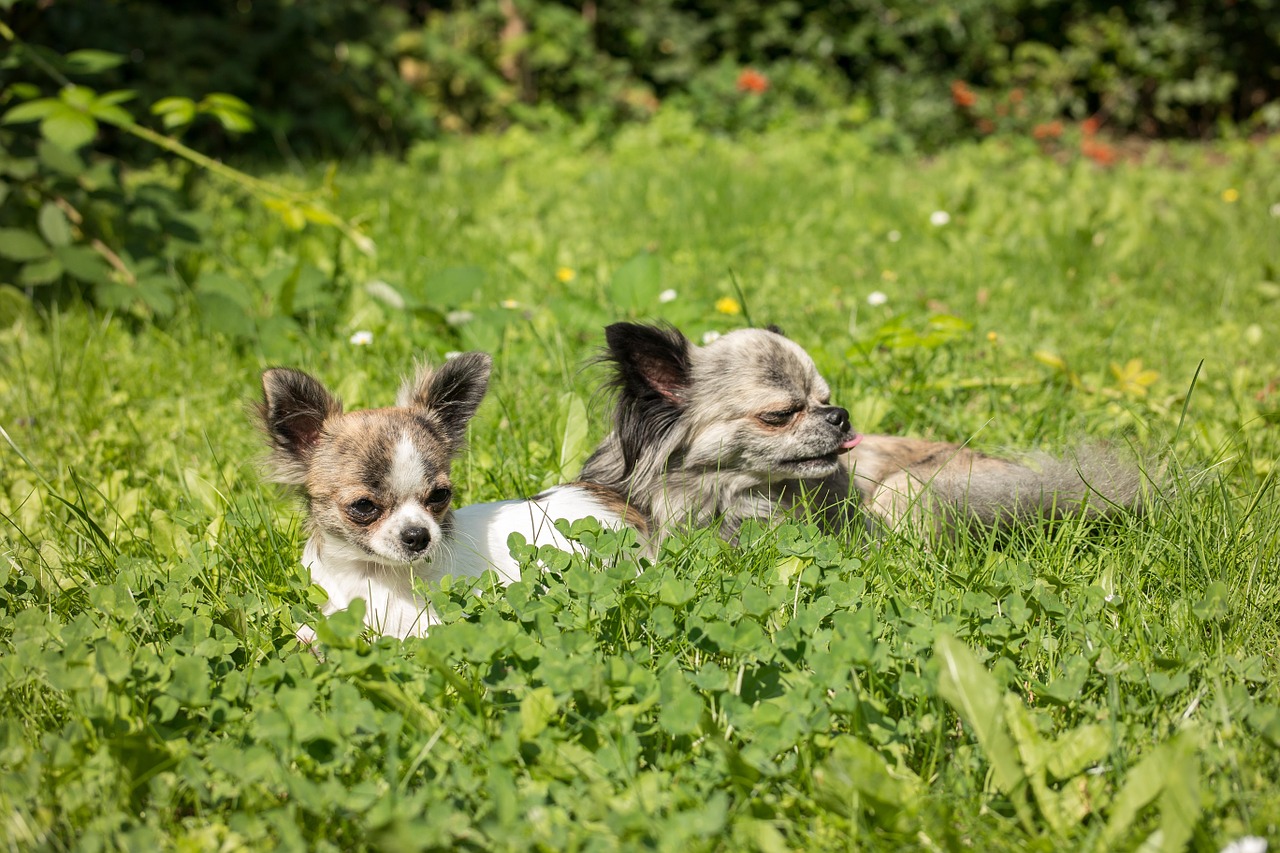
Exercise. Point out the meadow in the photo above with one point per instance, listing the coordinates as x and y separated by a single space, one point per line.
1083 686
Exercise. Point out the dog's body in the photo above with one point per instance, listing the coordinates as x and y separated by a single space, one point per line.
743 428
378 493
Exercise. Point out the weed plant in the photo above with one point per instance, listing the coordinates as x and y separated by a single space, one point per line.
1082 686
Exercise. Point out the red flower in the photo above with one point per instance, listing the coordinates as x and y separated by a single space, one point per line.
1015 96
1099 152
1049 130
1090 125
986 125
751 80
962 95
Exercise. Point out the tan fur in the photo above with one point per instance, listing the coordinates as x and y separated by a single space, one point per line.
943 486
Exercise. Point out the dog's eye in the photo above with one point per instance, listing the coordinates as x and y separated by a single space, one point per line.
778 418
439 496
363 511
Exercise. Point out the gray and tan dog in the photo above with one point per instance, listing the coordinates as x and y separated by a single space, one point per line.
744 427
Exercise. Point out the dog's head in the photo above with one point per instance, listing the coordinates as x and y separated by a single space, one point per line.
377 479
751 403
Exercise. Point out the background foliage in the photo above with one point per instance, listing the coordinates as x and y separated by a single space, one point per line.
334 76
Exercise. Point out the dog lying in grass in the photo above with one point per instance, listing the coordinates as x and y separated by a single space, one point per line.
379 495
741 428
744 427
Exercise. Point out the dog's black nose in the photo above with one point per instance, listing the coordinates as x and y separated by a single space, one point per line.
415 538
837 417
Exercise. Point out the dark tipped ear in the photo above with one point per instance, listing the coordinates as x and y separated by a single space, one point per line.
650 360
452 393
776 329
293 411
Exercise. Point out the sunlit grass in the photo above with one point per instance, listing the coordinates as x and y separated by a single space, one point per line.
783 693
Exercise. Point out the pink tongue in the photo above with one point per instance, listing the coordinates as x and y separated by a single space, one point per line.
851 443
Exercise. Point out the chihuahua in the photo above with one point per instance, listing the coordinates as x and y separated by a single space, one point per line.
379 495
744 427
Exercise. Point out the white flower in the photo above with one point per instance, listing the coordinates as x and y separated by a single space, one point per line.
875 297
667 295
894 236
458 318
939 218
451 355
1248 844
1274 210
709 337
362 338
380 290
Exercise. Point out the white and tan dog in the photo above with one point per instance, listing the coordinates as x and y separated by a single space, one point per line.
379 495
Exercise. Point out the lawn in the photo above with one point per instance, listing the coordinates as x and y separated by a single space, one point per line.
1086 687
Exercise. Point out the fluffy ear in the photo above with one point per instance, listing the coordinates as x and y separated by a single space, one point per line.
293 411
651 362
452 393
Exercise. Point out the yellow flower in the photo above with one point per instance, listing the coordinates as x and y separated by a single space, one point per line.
510 304
565 275
1231 195
1132 379
993 337
728 305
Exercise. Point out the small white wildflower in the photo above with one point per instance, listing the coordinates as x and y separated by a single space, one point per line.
510 303
384 292
667 295
1274 210
451 355
876 297
939 218
894 236
710 337
1248 844
1109 597
459 318
362 338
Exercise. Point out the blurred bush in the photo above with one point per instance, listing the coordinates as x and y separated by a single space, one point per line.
333 76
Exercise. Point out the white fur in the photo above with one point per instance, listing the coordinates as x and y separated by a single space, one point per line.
406 468
477 543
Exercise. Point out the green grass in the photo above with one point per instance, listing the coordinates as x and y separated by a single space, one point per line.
1078 688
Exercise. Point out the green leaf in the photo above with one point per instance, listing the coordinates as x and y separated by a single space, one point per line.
157 292
175 112
1078 749
69 128
681 708
537 709
855 775
973 692
636 284
92 61
60 159
32 111
54 225
219 313
572 421
1171 772
40 272
1216 604
190 684
19 245
83 263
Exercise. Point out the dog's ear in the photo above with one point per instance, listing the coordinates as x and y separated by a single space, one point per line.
452 393
650 360
776 329
293 411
